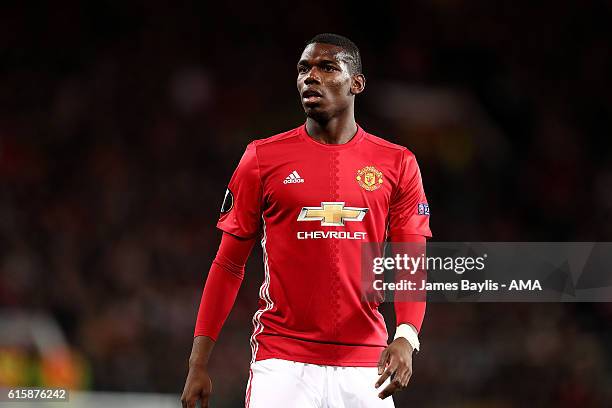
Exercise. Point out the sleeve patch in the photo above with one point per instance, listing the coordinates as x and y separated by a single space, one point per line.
228 202
423 209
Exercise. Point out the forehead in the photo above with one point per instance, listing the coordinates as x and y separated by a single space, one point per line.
316 52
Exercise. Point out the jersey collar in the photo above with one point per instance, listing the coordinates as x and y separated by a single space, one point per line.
354 140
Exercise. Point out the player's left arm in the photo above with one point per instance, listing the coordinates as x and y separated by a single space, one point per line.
409 224
396 360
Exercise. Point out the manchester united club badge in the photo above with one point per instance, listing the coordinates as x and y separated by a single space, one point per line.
369 178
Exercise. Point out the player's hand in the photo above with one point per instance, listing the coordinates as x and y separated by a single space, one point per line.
395 362
198 387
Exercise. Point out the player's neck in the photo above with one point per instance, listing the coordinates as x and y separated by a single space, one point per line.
335 131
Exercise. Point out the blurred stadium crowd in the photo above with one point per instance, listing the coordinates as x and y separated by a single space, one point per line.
122 123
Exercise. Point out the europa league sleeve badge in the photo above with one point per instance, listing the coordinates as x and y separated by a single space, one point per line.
228 202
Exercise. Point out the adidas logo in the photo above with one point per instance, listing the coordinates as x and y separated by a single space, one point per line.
293 178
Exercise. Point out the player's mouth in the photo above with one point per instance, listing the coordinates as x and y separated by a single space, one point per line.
311 95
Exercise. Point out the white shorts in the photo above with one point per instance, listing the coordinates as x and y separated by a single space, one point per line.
288 384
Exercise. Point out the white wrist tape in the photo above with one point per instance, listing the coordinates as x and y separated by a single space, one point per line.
408 332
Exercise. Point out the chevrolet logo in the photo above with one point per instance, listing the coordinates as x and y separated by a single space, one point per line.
332 214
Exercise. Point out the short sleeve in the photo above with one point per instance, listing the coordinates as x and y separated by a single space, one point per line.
409 210
241 208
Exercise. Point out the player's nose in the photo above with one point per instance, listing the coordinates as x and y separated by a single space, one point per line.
312 77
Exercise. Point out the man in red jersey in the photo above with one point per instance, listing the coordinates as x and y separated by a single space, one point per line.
314 195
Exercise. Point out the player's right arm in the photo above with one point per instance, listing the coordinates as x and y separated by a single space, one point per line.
240 221
198 385
218 297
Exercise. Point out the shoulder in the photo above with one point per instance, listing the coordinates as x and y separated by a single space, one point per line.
256 145
390 148
276 140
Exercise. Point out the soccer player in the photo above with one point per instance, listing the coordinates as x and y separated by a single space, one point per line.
314 194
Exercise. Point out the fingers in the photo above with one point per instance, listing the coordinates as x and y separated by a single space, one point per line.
191 401
403 374
398 369
204 400
198 387
390 389
408 376
388 372
188 402
382 361
183 400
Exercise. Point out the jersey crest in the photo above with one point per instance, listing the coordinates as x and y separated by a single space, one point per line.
369 178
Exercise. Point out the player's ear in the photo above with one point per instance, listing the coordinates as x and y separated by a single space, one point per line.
357 84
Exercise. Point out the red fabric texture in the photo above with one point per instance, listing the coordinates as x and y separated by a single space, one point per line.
222 285
410 312
315 206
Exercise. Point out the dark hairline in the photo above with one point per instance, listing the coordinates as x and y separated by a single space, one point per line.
342 50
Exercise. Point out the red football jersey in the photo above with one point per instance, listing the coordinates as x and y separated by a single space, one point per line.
315 204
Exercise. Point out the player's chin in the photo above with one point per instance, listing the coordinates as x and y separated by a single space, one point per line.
315 111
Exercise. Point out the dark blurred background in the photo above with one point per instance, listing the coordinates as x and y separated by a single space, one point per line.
122 122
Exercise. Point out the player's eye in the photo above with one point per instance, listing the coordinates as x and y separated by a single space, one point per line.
328 68
302 69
